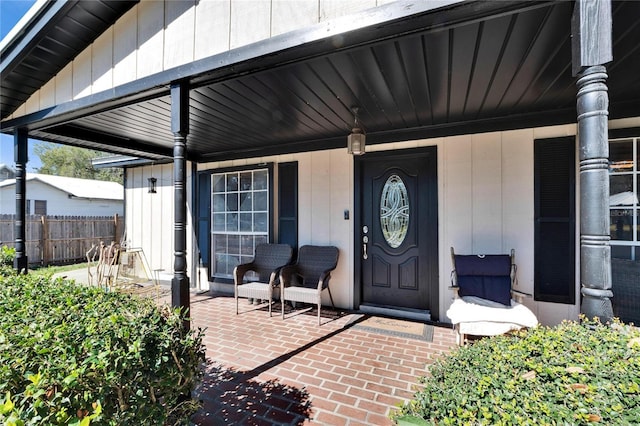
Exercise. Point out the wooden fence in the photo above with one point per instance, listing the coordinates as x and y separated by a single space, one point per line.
52 240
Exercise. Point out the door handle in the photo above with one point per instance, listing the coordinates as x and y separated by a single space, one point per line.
365 240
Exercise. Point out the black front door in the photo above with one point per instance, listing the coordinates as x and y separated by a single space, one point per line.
398 235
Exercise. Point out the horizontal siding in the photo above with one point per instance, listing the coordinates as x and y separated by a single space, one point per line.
58 202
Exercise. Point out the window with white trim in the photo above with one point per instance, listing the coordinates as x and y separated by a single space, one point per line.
239 217
624 176
40 207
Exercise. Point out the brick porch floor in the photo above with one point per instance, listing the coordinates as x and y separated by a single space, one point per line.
266 371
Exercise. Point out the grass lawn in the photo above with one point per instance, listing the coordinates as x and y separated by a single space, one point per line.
46 270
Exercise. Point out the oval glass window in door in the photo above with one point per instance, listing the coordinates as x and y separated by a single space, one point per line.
394 211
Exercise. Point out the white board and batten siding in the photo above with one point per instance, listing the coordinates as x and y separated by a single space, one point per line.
486 204
150 216
485 201
157 35
325 191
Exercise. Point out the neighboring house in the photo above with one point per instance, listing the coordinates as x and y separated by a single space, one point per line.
469 110
64 196
6 172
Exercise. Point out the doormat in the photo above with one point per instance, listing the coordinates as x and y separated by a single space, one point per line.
394 327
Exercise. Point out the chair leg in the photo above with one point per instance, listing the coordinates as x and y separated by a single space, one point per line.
282 299
270 297
331 298
460 337
237 303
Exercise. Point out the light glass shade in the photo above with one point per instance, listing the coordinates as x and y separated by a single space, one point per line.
152 185
356 142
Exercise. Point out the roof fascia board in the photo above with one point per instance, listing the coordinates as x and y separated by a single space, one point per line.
341 33
76 132
32 14
22 43
136 91
77 197
125 162
144 151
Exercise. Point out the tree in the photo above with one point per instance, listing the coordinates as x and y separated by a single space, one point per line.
71 161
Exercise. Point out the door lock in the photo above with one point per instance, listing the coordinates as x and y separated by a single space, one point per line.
365 241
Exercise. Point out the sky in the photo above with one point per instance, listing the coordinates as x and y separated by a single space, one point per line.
10 13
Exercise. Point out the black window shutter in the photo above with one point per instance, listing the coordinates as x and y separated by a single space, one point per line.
204 216
288 204
554 230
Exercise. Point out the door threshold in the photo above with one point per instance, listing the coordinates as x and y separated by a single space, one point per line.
396 312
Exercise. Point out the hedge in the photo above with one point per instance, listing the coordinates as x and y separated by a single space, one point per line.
577 373
77 355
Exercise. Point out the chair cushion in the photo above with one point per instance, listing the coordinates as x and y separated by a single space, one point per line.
494 288
490 264
484 302
472 314
254 290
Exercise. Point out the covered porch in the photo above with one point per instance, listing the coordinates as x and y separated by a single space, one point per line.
415 70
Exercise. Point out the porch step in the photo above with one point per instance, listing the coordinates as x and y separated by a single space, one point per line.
394 311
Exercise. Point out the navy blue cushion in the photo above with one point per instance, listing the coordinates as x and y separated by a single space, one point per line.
494 288
470 285
498 289
490 264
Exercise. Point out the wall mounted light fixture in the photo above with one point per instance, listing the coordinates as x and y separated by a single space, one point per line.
152 185
356 139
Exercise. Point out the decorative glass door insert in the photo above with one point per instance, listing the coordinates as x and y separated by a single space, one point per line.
394 211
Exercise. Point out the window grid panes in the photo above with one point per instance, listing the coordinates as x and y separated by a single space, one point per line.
40 207
240 217
624 189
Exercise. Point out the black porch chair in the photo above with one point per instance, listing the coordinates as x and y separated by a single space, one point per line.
486 304
267 261
305 280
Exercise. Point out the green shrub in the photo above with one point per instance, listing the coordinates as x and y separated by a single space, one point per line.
7 254
575 373
77 355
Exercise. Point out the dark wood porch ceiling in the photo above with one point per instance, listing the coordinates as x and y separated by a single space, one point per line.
46 46
462 68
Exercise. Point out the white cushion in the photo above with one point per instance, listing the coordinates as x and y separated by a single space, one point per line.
480 319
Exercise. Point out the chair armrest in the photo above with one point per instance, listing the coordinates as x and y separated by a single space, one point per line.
239 272
286 275
519 295
455 289
454 278
274 278
323 281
